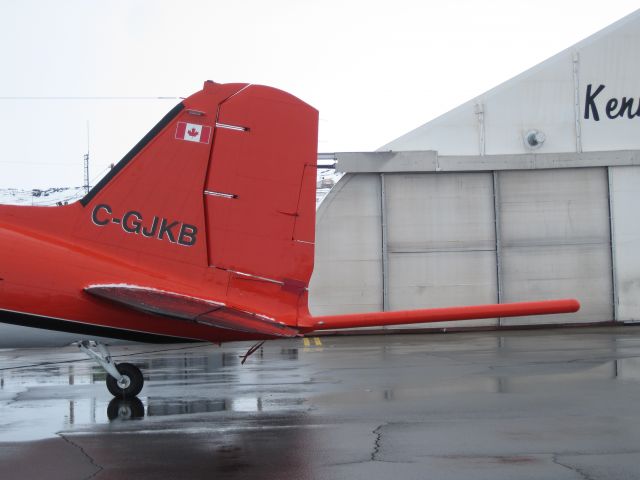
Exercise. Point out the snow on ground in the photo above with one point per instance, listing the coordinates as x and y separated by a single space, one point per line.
327 178
41 197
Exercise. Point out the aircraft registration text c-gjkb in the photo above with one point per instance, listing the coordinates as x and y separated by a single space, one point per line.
160 228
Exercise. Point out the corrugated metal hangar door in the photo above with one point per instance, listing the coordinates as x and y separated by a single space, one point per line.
440 235
416 240
347 276
625 198
554 240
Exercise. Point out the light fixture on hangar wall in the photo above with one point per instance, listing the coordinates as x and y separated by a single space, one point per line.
534 139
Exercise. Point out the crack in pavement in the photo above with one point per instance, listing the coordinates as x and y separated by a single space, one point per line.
99 468
376 444
573 469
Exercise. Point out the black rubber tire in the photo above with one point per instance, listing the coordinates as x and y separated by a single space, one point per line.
125 409
135 378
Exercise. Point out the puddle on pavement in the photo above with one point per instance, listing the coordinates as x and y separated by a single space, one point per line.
39 401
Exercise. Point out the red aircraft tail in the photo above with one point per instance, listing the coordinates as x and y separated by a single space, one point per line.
226 179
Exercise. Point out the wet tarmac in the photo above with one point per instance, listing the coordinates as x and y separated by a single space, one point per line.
554 404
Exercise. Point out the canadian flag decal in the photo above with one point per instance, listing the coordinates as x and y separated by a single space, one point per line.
193 132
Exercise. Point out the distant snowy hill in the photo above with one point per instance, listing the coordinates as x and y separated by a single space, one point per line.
47 197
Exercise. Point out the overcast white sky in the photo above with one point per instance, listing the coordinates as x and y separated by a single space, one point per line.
374 69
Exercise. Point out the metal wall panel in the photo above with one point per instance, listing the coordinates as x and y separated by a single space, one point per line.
440 212
554 207
555 241
625 198
559 271
442 279
541 99
347 276
441 241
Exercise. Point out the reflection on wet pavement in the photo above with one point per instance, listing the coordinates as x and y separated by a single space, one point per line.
506 404
36 397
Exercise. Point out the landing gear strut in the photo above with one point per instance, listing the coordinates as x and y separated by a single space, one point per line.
124 380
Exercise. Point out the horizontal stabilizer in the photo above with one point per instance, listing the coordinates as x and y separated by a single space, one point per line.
183 307
430 315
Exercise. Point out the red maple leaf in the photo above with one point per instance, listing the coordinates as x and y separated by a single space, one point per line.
193 132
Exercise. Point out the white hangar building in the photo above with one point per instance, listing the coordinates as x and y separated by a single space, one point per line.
529 191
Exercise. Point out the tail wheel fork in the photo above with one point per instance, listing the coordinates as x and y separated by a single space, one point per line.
124 380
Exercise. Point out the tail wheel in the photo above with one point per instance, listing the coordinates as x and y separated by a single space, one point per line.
130 384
